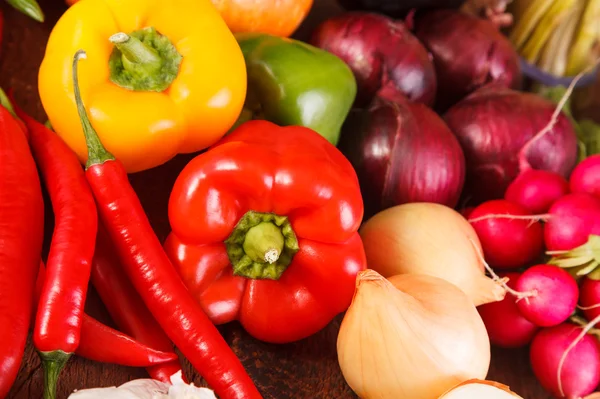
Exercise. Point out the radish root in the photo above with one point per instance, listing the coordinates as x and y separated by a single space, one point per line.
531 218
563 358
502 281
523 163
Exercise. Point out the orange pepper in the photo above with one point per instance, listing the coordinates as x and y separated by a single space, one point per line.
169 73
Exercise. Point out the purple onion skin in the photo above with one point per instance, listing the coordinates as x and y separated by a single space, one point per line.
493 125
382 53
468 53
397 8
403 152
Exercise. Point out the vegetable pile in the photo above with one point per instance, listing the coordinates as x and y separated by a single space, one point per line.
393 171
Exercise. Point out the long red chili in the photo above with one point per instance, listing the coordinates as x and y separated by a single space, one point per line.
60 311
126 307
21 236
152 273
101 343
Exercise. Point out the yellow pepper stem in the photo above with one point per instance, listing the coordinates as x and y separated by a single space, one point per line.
135 53
144 60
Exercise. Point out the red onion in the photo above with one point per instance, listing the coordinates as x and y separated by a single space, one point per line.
397 8
403 152
468 52
382 53
496 127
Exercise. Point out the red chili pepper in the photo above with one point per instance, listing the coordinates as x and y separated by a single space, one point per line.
101 343
126 307
60 311
151 272
21 236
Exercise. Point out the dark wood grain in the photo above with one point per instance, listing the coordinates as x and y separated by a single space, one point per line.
306 369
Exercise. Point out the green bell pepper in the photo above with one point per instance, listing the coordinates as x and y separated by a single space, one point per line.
294 83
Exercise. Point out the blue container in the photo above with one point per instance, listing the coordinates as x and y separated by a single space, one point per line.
536 74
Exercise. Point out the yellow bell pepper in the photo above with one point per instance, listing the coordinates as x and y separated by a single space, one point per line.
161 77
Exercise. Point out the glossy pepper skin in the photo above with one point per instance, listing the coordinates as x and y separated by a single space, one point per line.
144 122
222 210
292 83
21 236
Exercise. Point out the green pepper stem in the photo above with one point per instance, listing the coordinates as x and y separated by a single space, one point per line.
97 154
5 102
135 53
53 363
28 7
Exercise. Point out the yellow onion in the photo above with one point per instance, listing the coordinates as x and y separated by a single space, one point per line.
412 336
480 389
432 239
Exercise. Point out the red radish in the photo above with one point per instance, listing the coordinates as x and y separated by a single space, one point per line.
549 295
589 298
572 219
586 176
536 190
506 326
566 363
507 241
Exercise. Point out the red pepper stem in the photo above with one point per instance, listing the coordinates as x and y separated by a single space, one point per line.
97 154
261 246
53 363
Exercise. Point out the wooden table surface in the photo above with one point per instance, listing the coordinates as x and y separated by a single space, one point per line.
306 369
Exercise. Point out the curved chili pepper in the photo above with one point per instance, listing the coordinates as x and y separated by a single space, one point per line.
60 311
126 307
101 343
21 236
152 273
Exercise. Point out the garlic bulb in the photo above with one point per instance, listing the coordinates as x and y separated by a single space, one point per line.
147 389
414 336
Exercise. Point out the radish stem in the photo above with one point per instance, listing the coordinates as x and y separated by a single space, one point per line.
563 358
502 281
532 218
523 163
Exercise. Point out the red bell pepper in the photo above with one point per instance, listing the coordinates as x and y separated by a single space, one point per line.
264 230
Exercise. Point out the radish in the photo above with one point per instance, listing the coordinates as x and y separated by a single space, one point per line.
572 219
586 176
510 236
506 326
589 298
547 295
536 190
566 360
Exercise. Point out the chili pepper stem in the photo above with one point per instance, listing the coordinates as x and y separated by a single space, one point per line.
53 363
5 102
28 7
97 154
